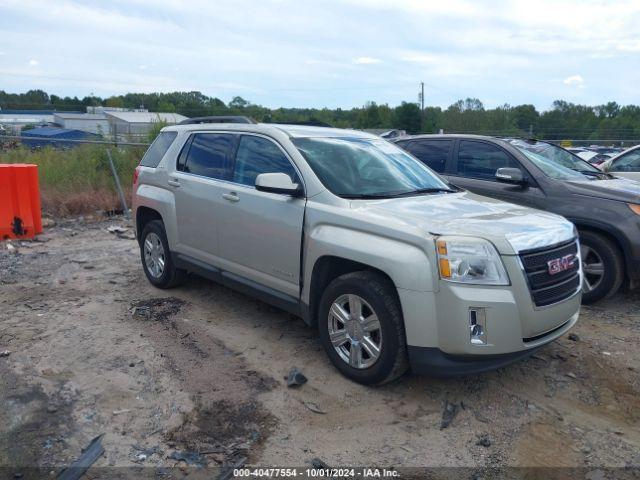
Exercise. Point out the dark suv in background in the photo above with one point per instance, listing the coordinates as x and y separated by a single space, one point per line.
605 209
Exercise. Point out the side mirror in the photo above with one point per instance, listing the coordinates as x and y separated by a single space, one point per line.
510 175
278 183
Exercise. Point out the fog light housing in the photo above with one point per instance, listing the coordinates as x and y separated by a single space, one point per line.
477 326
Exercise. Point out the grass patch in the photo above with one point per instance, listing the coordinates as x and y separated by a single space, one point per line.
79 180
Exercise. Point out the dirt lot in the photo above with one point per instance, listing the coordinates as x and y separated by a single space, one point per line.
194 376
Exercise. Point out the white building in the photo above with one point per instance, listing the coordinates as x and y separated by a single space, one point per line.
87 122
138 124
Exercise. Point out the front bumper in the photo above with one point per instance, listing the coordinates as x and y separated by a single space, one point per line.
434 362
437 324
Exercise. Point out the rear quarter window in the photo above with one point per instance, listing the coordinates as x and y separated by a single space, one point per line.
157 149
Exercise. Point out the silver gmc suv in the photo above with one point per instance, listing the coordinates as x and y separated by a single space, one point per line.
395 267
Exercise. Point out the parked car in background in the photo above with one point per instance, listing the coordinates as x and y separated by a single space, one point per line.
360 239
626 165
538 174
594 158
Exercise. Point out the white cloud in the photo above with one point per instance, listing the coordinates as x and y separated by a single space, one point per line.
574 80
33 63
419 58
504 51
366 60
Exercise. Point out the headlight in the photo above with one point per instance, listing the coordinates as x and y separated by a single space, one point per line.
470 260
635 208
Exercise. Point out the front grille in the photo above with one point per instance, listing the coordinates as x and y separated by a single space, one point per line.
545 287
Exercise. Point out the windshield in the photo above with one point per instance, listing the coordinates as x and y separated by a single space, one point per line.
360 168
554 161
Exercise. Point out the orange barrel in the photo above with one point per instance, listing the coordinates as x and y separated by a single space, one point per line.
20 215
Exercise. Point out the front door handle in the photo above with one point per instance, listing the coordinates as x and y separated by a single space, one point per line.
232 197
174 182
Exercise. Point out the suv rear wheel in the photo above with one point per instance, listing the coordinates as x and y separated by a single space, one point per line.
156 257
602 266
361 328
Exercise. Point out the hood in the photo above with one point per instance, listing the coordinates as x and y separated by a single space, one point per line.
511 228
620 189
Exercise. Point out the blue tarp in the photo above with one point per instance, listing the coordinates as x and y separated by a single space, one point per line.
55 137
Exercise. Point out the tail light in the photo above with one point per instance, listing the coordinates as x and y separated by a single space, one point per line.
136 172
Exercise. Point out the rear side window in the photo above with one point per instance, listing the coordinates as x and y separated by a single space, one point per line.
481 160
157 149
628 163
433 153
258 155
210 155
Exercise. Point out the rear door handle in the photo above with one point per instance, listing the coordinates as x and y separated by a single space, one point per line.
174 182
232 197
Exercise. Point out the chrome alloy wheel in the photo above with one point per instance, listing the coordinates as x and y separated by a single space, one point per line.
154 256
354 331
592 268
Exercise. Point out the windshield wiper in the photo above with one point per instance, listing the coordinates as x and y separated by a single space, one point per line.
591 173
425 190
369 196
365 196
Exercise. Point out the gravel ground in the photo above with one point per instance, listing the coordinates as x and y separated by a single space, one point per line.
193 377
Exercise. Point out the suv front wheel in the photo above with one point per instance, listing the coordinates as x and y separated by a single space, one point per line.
156 257
361 328
602 266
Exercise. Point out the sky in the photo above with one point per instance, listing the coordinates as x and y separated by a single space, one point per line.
327 53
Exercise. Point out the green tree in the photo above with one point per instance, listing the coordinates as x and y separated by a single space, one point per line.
407 117
238 102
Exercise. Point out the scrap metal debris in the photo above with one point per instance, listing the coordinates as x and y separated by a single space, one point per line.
191 458
313 407
484 441
89 455
5 353
116 229
318 463
448 414
227 473
295 378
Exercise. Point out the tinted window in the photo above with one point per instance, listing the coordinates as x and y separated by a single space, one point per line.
210 155
481 160
628 163
434 153
258 155
158 148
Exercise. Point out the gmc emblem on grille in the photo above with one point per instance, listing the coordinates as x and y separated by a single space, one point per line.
561 264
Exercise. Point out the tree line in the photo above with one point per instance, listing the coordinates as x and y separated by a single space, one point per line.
564 120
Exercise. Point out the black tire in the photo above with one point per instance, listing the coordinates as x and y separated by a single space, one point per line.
171 276
381 295
612 262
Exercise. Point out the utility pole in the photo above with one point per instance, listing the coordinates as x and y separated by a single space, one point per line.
422 106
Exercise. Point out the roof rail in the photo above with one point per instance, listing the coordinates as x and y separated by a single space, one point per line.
308 123
218 119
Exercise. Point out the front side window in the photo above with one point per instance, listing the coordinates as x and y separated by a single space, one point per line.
362 167
554 161
482 160
158 149
627 163
210 155
434 153
258 155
